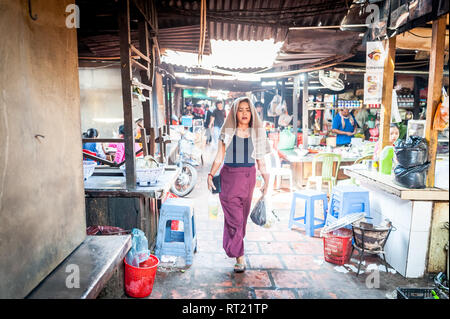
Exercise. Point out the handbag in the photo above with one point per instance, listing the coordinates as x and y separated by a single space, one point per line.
216 182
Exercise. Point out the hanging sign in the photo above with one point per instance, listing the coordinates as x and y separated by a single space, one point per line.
373 78
375 55
373 84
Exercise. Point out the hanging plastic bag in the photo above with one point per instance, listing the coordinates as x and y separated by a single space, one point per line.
287 140
139 248
441 116
274 106
258 214
412 177
395 113
412 152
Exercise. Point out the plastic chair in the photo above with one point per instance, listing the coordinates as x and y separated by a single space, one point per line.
309 219
177 243
278 171
353 181
327 175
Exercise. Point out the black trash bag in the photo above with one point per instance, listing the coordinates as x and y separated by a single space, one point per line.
258 214
412 152
412 177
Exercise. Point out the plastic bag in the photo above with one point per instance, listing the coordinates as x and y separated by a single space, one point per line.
412 177
441 116
258 214
139 248
412 152
287 140
275 106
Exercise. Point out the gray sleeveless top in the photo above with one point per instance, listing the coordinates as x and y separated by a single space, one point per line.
239 152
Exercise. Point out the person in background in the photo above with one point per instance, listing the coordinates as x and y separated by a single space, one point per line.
344 126
96 148
188 109
120 147
217 120
198 112
362 116
206 122
394 133
259 110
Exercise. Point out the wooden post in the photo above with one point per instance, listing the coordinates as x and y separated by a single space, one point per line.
144 47
305 113
434 91
295 97
170 104
386 98
125 40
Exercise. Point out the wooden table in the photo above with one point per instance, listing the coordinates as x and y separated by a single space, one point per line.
110 203
302 166
387 183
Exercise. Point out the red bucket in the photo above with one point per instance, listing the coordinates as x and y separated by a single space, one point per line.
139 281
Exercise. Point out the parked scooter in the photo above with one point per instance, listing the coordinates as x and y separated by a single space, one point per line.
189 157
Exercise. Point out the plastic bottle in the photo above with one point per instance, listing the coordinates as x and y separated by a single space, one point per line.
213 206
386 157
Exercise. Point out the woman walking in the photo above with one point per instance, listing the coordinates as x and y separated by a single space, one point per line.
242 142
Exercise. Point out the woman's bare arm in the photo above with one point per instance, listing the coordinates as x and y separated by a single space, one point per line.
262 169
220 156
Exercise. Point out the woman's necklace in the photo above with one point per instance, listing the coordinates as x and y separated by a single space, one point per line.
243 133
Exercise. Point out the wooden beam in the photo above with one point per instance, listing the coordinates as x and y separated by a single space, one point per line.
107 140
305 113
141 55
98 159
139 65
434 91
125 63
144 45
295 97
144 142
141 85
386 98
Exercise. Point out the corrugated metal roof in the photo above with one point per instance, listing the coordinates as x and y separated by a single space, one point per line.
184 39
252 19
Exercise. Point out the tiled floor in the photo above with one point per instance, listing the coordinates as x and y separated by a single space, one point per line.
281 263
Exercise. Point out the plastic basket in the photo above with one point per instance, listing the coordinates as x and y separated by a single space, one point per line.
337 246
88 168
415 293
139 280
146 176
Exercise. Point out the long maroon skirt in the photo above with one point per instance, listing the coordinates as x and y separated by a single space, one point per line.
237 184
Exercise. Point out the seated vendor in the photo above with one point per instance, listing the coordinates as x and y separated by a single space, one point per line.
394 133
344 126
94 148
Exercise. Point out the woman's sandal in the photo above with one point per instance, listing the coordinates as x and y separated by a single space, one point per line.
238 268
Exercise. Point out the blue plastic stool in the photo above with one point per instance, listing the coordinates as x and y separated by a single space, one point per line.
309 196
348 199
177 243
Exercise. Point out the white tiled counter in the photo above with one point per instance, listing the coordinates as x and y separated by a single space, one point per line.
410 211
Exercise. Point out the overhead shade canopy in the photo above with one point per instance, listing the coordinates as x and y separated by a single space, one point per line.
183 39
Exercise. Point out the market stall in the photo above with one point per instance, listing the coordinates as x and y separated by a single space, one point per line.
109 202
411 248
